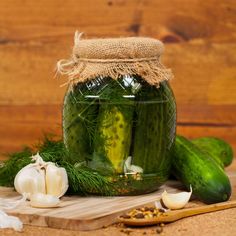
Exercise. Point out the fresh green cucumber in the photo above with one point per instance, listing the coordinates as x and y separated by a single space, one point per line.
196 168
217 148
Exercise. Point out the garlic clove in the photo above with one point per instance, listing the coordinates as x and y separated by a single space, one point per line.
136 169
56 180
176 201
65 184
40 200
127 164
131 168
30 180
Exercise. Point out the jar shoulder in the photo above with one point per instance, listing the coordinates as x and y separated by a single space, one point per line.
127 87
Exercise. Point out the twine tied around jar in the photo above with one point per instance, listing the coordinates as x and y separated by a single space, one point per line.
114 57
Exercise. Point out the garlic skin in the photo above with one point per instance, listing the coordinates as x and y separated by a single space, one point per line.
7 221
175 201
8 204
56 180
41 177
41 200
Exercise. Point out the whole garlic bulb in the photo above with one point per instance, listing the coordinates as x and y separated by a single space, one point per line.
41 177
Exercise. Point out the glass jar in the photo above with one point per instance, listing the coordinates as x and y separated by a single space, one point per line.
123 129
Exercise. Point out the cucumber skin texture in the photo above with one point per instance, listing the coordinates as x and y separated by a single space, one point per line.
113 134
75 133
155 132
193 167
220 150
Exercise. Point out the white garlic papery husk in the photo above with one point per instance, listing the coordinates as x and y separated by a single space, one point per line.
41 200
176 201
41 177
8 204
7 221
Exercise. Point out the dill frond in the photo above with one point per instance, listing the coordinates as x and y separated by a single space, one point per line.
82 180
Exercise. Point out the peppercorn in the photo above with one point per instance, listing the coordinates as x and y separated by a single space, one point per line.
159 229
139 216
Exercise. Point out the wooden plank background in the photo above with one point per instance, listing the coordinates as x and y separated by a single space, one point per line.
200 39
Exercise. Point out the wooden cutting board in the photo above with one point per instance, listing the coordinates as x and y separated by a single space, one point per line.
89 213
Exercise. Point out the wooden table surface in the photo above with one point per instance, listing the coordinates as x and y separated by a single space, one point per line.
211 224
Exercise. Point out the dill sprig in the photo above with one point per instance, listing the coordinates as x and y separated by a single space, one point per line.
16 161
82 179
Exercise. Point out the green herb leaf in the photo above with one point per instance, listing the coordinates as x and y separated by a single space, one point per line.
82 179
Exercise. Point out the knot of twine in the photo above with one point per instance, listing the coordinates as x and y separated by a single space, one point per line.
65 66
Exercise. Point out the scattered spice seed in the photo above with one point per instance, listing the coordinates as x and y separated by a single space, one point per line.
152 209
159 229
125 216
144 212
139 216
126 231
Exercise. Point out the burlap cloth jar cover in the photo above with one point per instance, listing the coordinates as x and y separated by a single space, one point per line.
114 57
